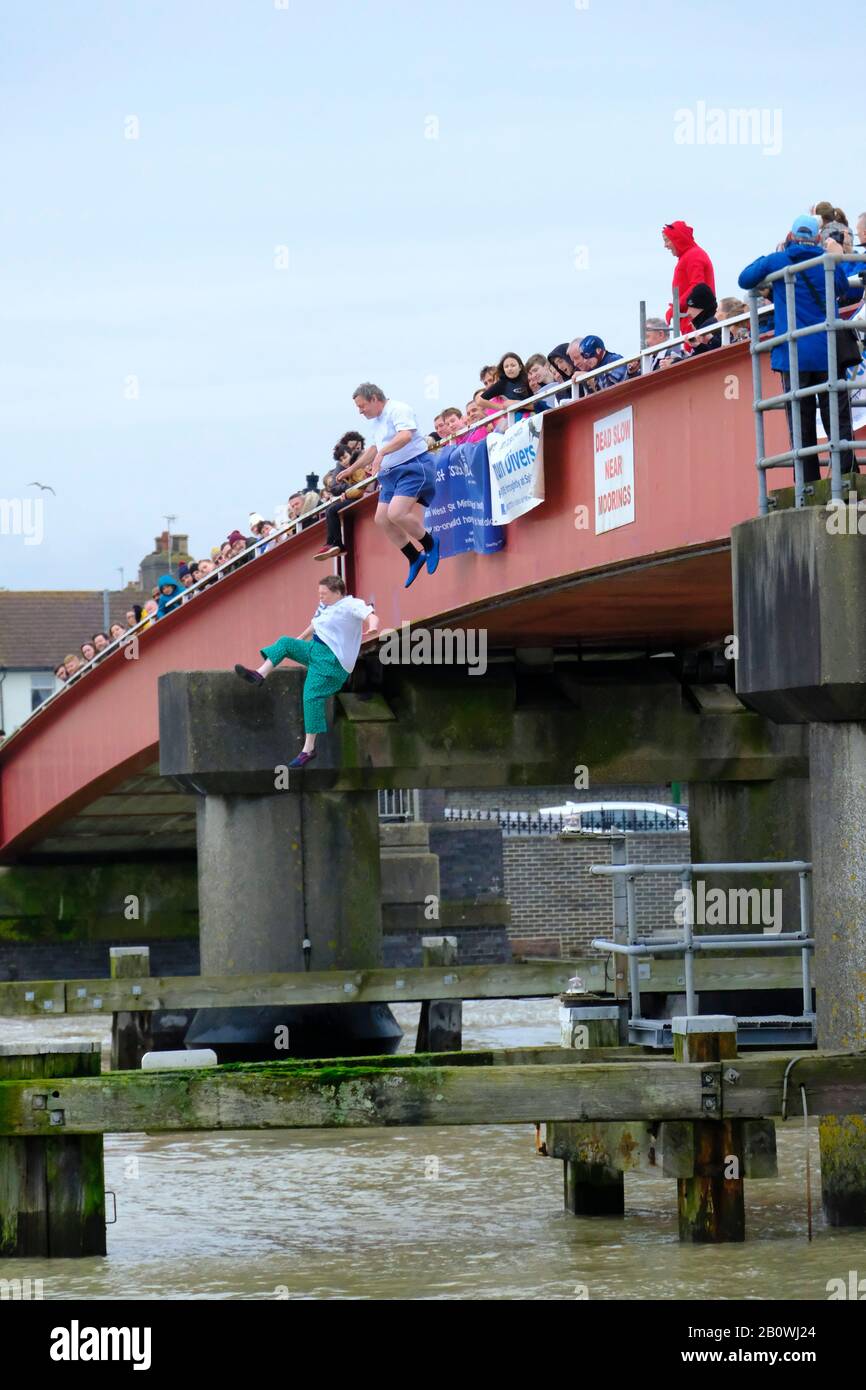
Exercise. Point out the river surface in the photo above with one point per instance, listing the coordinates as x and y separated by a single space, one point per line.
448 1213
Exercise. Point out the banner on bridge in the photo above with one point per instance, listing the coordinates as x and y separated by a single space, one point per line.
516 469
613 451
460 514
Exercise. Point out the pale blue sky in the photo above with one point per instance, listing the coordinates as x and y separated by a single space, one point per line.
409 258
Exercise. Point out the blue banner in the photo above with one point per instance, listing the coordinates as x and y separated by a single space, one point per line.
460 513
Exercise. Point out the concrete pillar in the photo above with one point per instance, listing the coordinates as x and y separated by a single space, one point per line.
274 869
751 821
410 882
838 763
799 595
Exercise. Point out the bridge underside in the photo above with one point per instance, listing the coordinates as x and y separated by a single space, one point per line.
674 601
146 814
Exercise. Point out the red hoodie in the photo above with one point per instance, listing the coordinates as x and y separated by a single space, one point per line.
693 266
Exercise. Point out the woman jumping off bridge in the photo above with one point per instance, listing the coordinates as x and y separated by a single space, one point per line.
337 629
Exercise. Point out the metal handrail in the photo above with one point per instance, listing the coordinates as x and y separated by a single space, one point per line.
689 944
830 325
721 325
220 572
294 525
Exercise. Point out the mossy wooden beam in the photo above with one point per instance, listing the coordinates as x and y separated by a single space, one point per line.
288 1095
52 1190
283 1096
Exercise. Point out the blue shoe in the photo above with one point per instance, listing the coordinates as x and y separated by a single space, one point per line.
415 568
433 557
302 759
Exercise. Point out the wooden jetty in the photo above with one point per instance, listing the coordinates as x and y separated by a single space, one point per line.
705 1116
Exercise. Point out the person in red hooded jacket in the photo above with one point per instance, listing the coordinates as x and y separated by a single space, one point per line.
693 266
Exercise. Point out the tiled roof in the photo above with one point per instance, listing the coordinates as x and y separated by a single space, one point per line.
38 628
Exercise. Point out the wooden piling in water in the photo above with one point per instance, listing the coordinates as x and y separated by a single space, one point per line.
710 1203
52 1187
440 1025
592 1185
131 1033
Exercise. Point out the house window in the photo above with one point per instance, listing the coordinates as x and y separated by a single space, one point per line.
41 686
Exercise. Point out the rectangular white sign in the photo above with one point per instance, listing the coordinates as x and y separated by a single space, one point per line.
613 451
516 469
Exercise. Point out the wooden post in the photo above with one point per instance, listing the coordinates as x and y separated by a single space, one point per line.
440 1026
52 1186
591 1186
710 1202
131 1033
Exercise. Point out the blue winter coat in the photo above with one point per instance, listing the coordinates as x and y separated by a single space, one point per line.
811 350
164 600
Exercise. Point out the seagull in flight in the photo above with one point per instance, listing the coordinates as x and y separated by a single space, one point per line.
44 486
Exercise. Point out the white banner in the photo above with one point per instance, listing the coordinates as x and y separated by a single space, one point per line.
516 469
613 451
857 398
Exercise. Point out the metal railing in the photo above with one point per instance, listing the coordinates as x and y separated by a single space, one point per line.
257 547
830 325
297 524
641 357
510 822
688 944
398 804
614 822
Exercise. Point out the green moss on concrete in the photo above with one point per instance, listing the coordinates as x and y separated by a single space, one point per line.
784 497
81 902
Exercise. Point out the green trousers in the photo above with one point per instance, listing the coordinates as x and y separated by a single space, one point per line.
325 676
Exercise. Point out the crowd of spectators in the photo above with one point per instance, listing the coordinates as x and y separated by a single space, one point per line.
504 386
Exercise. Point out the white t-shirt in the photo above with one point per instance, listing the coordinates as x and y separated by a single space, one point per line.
339 626
396 417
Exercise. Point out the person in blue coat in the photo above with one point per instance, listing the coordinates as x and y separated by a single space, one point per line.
170 592
803 244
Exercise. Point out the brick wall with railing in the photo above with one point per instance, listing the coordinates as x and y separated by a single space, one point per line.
558 906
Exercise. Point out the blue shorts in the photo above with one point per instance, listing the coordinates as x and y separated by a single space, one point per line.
417 479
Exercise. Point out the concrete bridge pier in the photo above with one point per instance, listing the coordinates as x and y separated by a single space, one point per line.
288 880
838 758
286 868
800 596
738 822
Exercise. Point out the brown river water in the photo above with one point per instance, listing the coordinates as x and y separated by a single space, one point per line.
451 1213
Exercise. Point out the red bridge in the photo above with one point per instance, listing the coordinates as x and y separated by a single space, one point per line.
659 582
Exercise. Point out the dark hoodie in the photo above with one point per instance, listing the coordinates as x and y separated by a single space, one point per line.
693 266
702 312
164 600
561 350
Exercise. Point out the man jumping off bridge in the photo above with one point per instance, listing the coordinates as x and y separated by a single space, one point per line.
407 476
337 628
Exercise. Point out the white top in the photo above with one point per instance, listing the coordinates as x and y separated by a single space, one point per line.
339 626
396 417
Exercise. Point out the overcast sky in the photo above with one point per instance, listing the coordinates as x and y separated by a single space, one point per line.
320 194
